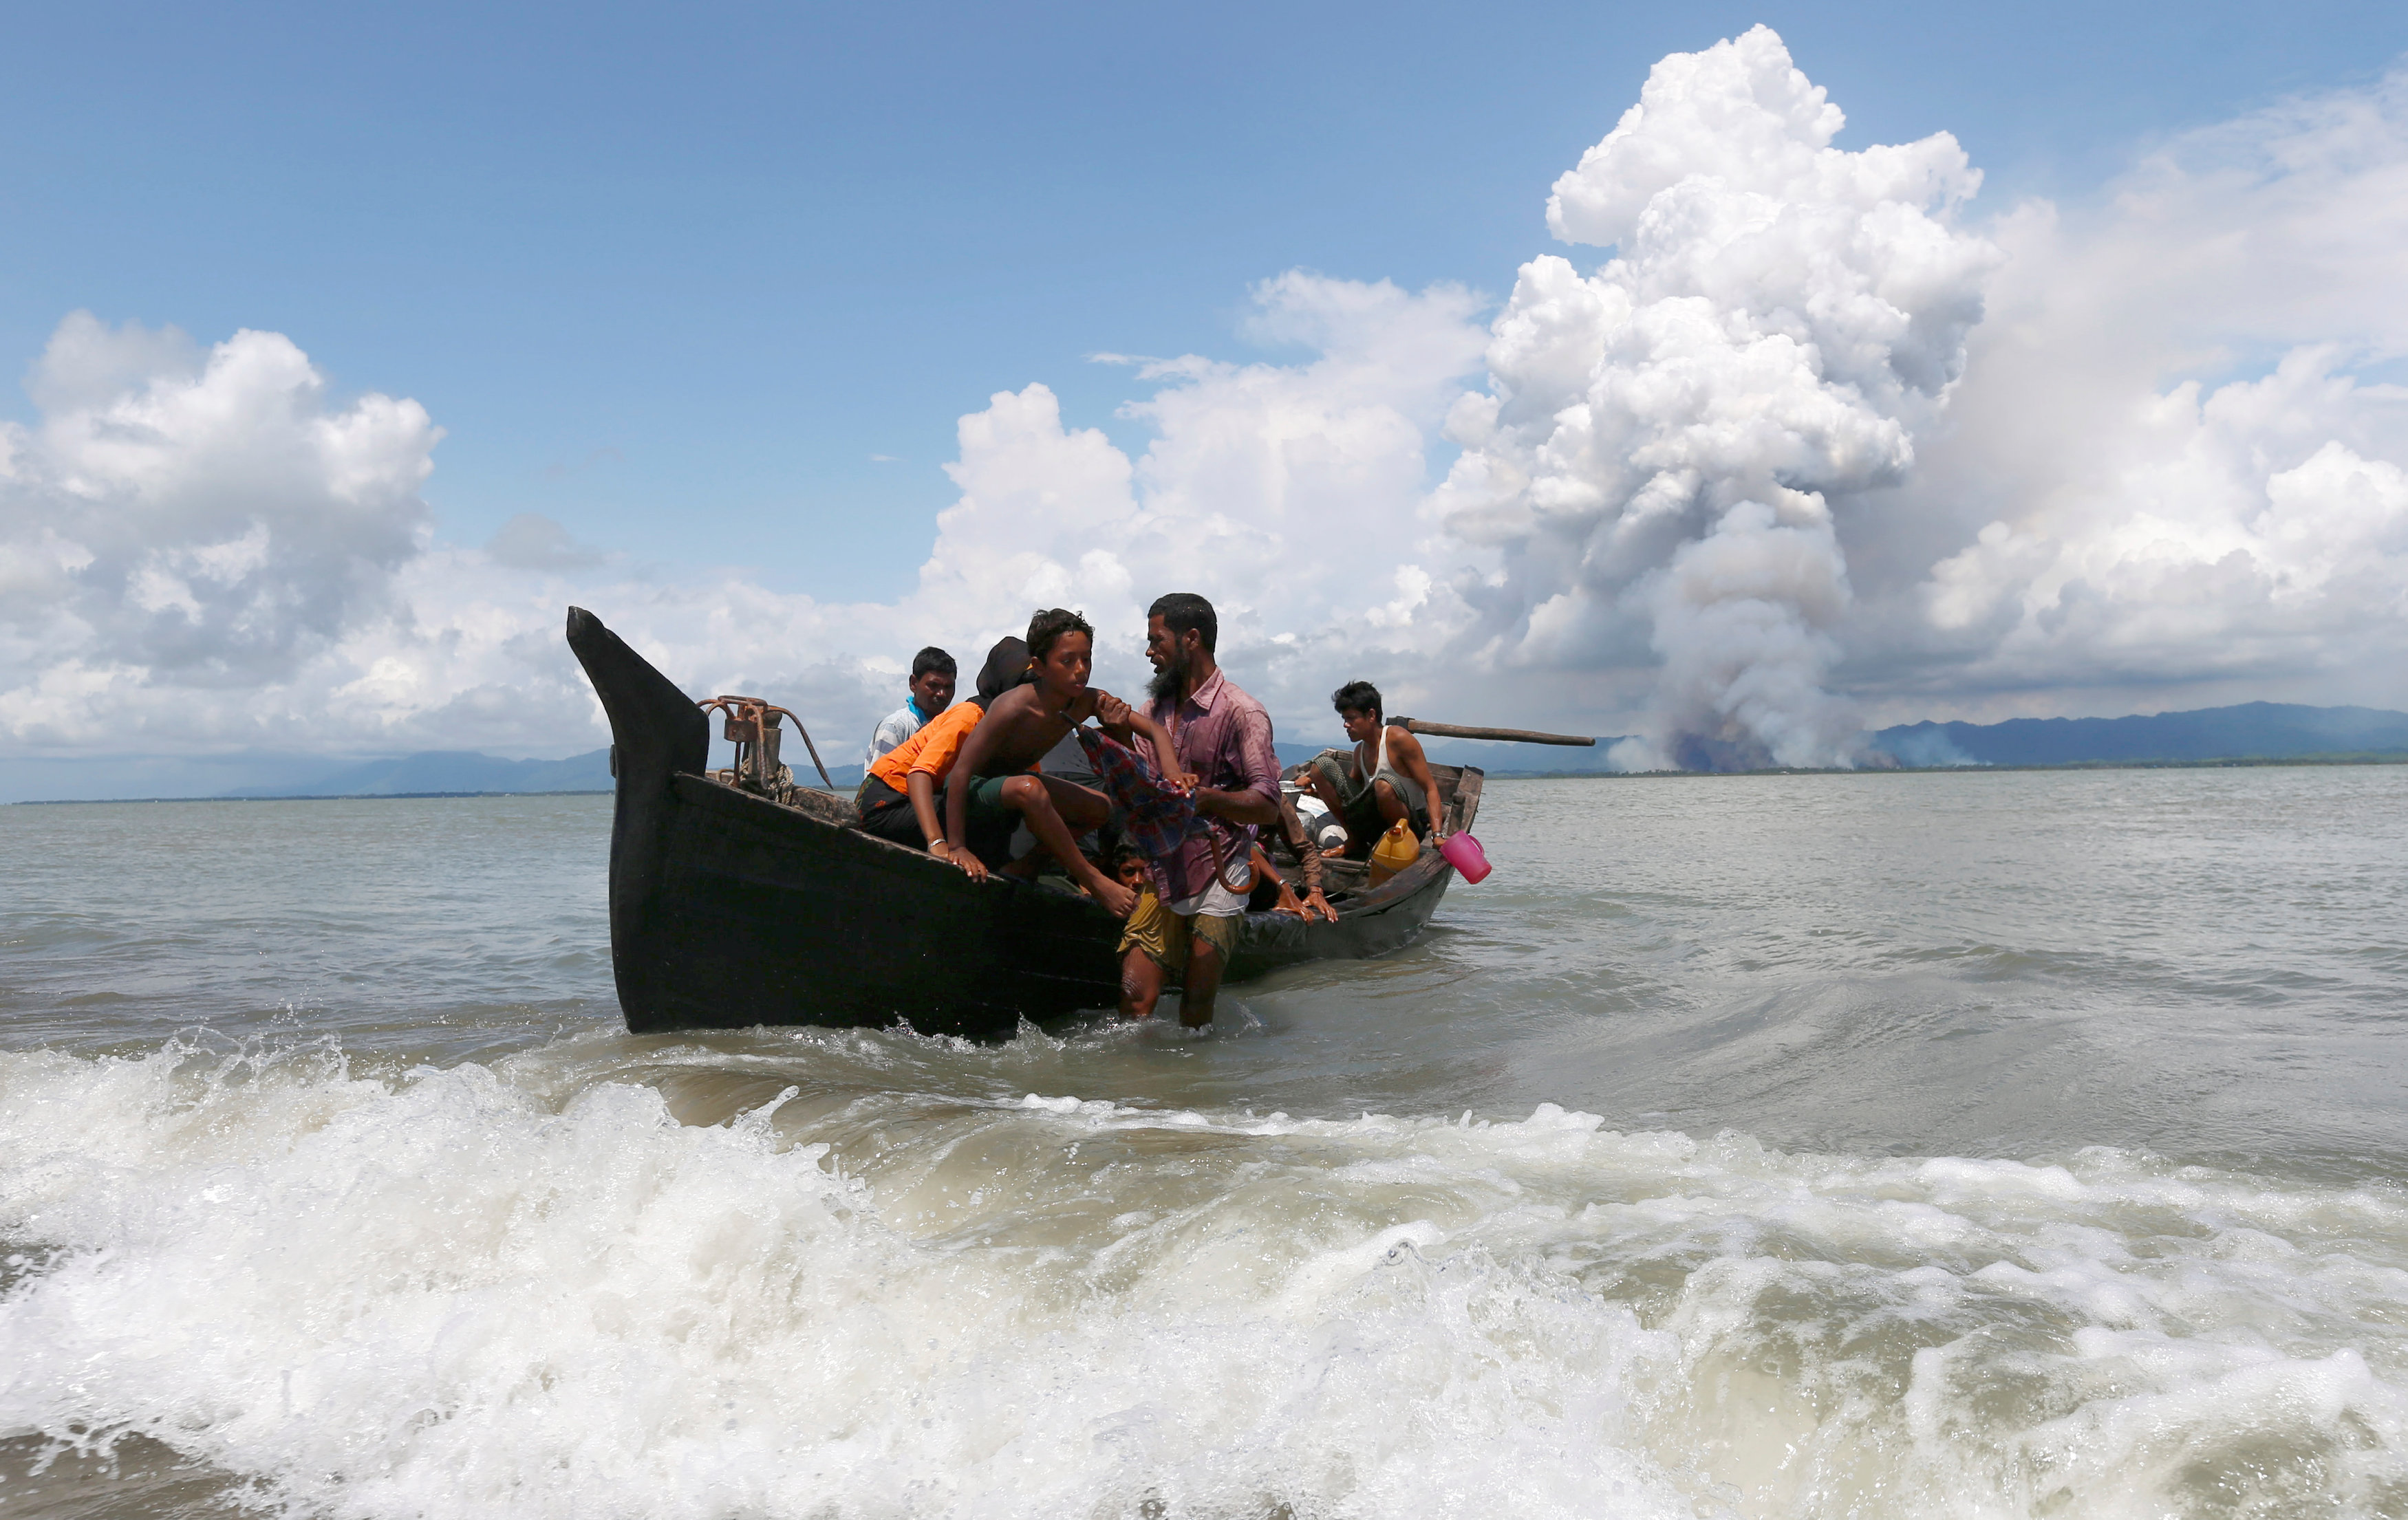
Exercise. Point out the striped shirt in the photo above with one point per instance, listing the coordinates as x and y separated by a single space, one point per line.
1225 737
893 730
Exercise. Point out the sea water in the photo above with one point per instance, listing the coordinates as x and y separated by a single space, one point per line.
2007 1144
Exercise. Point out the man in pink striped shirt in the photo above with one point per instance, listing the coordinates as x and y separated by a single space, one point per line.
1224 737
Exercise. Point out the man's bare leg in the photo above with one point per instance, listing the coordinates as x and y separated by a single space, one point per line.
1042 808
1203 983
1315 784
1140 985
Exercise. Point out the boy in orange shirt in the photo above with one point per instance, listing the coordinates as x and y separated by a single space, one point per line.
900 800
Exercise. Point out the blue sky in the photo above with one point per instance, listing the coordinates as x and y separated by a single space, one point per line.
672 276
776 336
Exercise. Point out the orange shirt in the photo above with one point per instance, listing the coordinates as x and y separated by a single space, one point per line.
933 749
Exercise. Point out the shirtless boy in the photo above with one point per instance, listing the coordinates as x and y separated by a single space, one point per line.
994 772
1388 780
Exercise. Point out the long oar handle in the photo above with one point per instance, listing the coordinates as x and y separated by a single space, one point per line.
1522 736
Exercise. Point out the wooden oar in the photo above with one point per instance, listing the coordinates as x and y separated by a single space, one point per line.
1523 736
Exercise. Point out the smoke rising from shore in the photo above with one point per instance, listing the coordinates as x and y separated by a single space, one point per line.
1662 442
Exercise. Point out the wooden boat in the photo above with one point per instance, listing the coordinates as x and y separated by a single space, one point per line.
738 899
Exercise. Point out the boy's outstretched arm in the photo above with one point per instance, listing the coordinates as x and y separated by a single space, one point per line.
921 787
976 744
1122 721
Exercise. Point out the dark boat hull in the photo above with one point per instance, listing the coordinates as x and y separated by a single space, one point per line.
729 910
780 924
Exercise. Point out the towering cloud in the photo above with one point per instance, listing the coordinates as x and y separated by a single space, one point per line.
1663 442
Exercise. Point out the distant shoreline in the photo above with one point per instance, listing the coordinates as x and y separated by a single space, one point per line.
303 797
2232 763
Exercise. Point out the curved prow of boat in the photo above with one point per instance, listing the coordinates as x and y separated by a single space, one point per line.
656 732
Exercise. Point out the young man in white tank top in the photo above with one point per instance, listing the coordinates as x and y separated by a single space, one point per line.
1388 779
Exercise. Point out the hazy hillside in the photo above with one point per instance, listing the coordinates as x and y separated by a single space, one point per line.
1493 758
449 770
2252 730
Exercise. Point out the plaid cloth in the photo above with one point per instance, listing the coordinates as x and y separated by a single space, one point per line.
1153 816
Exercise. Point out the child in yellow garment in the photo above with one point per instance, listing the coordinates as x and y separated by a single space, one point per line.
1153 940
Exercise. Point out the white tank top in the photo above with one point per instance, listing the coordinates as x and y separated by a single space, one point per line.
1383 768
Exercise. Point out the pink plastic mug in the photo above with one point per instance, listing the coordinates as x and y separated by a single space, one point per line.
1463 852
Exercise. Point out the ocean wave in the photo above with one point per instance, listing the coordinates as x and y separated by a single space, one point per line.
529 1288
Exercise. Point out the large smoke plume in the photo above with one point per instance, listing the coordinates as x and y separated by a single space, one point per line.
1663 441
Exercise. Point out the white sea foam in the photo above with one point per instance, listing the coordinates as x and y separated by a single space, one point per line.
470 1291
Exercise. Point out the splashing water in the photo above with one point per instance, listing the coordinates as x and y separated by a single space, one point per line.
450 1292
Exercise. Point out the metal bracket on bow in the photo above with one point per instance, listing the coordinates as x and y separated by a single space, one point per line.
752 727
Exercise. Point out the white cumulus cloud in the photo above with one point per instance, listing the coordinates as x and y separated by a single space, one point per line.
2173 472
1286 493
1656 462
205 552
204 522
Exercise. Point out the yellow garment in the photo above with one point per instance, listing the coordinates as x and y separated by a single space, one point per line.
1164 935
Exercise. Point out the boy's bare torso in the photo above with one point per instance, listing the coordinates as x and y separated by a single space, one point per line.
1025 729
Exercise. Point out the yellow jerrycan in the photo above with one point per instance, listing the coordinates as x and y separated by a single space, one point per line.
1397 849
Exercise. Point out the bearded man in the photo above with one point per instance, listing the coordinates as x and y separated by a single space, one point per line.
1223 737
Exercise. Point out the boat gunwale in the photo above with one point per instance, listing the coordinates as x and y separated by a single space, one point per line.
1396 889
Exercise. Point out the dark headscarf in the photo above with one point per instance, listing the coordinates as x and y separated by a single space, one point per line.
1007 666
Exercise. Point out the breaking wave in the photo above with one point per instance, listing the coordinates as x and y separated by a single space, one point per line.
532 1288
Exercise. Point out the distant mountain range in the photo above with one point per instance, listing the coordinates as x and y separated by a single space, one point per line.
449 771
466 771
1494 757
2252 730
